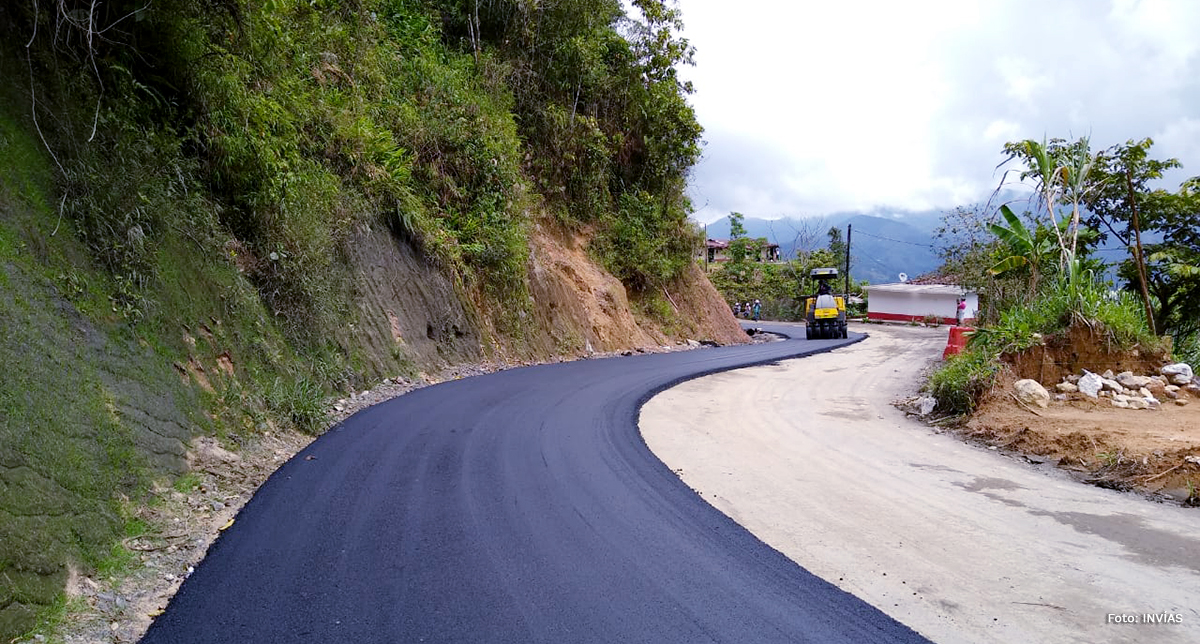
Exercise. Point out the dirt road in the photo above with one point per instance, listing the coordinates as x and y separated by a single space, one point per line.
960 543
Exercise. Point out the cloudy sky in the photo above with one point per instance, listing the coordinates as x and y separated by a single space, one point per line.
812 107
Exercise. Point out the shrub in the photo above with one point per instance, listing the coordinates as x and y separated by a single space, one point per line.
1117 315
962 380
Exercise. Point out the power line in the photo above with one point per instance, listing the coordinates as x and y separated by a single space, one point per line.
898 241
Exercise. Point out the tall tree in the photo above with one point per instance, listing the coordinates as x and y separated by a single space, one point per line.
837 245
1123 204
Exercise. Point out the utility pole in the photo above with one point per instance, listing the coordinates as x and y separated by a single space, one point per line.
849 229
706 249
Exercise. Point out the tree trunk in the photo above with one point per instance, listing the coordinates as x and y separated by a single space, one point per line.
1137 255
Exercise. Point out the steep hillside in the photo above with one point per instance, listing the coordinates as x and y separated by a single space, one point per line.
213 215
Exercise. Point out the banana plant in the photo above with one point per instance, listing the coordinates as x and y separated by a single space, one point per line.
1061 173
1025 247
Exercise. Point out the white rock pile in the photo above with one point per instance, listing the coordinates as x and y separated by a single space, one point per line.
1126 390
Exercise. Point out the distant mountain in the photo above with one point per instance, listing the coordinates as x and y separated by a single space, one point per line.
882 244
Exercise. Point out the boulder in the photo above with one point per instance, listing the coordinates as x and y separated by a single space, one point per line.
1145 393
1152 403
1090 384
1108 374
1119 403
1120 398
1177 369
1181 401
1112 385
1031 392
1066 388
1127 379
1137 403
1181 379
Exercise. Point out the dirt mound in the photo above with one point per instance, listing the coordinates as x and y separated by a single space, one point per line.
1082 347
1152 451
582 306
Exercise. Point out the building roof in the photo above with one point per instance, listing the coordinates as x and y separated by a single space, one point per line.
909 287
933 278
724 243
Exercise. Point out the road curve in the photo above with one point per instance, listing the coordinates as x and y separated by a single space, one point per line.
521 506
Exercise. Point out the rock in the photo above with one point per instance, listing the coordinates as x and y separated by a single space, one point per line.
1193 387
1090 384
1119 403
1066 388
1151 402
1138 403
1120 398
1181 379
1173 395
1181 401
1192 459
206 450
1145 393
1073 379
1031 392
1177 369
1127 379
1112 385
1060 397
1171 388
1107 375
693 343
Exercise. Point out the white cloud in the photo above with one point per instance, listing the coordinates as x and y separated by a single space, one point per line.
815 107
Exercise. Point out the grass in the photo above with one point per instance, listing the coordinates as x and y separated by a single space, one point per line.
963 379
187 482
50 620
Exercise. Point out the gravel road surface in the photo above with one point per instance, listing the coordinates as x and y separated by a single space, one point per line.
521 506
961 543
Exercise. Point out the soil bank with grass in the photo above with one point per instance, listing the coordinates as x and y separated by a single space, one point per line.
218 216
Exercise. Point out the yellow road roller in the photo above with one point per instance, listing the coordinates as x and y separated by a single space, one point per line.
825 313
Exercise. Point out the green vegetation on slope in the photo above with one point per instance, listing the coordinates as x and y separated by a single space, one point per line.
1037 281
184 182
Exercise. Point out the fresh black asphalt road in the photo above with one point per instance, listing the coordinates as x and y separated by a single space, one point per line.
521 506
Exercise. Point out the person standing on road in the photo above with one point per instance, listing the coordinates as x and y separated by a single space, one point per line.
757 310
962 311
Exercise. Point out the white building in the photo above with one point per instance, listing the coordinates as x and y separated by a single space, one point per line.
909 301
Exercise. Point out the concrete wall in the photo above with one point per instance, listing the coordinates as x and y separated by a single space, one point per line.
916 304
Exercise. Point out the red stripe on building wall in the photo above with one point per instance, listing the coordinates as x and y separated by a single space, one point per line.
900 317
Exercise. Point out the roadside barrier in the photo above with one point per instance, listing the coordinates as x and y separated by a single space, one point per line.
957 340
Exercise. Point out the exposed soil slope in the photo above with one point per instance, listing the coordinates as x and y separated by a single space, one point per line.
1139 449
